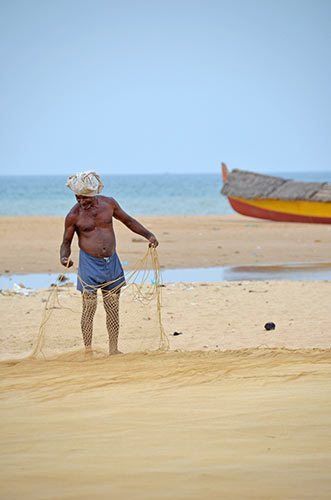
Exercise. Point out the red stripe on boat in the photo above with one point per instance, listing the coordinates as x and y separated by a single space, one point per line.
262 213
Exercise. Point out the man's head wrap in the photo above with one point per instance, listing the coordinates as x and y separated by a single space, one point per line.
85 184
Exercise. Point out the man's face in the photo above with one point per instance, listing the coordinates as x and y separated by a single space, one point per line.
85 201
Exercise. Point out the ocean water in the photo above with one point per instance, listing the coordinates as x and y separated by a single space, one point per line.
164 194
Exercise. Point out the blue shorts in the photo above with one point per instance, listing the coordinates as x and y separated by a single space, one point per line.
96 271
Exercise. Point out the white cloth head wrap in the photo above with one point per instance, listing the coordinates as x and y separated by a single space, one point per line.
85 184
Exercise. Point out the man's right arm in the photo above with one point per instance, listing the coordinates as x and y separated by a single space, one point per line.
69 231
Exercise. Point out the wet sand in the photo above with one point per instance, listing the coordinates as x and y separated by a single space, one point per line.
231 411
31 244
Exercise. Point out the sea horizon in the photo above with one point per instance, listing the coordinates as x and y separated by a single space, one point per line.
138 194
288 174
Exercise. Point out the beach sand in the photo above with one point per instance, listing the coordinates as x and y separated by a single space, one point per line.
230 411
237 425
31 244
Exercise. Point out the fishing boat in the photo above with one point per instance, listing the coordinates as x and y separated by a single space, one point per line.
275 198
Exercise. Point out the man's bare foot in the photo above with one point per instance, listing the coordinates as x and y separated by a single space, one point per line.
115 352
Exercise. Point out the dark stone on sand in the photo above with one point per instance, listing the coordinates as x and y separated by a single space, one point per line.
177 333
62 277
270 326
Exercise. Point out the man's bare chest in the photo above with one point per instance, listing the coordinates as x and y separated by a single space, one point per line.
94 219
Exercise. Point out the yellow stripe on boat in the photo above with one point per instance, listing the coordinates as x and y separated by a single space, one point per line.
296 207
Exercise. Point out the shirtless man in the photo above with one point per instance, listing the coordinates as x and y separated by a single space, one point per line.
99 266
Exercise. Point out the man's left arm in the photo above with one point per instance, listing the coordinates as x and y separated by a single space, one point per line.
134 225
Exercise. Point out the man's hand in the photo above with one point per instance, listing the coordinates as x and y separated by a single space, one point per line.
153 241
66 262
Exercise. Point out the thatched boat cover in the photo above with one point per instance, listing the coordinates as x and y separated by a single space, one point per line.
249 185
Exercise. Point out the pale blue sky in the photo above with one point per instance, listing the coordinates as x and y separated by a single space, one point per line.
164 86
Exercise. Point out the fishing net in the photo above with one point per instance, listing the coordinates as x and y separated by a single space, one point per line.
123 319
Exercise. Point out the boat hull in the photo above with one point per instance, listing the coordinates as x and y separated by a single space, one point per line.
283 211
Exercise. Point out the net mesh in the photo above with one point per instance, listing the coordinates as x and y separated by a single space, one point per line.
72 319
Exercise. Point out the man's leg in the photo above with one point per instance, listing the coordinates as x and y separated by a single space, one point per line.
111 305
88 312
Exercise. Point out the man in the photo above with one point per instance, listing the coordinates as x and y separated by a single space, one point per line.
99 266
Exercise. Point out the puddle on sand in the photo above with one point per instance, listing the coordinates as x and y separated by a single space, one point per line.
295 272
319 271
